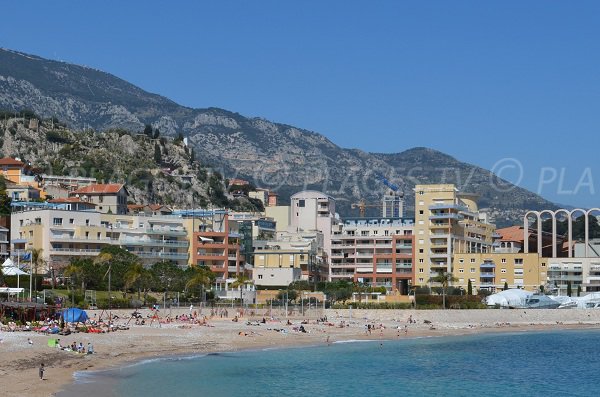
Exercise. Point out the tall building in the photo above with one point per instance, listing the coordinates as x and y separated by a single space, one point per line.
109 198
392 205
314 211
446 222
375 252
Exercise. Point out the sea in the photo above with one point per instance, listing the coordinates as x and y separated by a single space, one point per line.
549 363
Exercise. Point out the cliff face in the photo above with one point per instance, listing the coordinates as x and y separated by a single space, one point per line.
272 155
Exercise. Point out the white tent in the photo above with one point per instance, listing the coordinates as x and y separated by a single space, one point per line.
509 298
10 269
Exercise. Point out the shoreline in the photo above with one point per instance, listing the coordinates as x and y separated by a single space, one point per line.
115 350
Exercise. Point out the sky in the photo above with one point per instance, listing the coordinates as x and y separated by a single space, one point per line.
510 86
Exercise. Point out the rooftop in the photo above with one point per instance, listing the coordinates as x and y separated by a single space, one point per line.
97 188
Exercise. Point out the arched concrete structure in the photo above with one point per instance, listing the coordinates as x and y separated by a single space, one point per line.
570 229
587 230
570 217
526 229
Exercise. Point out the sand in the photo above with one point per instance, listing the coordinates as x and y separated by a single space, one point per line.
19 361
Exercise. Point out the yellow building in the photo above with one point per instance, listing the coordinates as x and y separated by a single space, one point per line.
446 222
490 271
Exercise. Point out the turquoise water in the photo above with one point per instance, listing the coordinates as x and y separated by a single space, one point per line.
519 364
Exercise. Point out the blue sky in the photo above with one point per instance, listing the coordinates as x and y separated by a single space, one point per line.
491 83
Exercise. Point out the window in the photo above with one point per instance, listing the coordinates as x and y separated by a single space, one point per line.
260 276
502 270
421 260
301 203
461 270
100 199
503 260
421 241
272 275
301 257
420 212
21 222
420 250
421 231
472 260
543 265
421 222
57 221
461 260
472 270
87 222
421 202
31 233
71 221
519 272
421 280
421 270
421 192
518 261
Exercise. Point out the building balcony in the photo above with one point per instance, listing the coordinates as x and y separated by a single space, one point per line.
449 206
438 255
161 255
74 251
487 274
454 216
487 266
154 243
342 274
165 231
105 240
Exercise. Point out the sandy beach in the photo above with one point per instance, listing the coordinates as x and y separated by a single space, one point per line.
20 360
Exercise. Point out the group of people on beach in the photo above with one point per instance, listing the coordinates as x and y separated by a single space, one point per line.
76 347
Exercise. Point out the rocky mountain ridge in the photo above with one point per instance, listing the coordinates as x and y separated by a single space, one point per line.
271 155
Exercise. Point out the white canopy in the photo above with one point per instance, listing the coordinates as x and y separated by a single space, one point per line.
509 298
10 291
10 269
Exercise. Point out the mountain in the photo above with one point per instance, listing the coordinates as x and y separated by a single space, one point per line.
272 155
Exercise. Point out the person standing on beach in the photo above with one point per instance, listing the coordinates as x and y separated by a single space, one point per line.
42 371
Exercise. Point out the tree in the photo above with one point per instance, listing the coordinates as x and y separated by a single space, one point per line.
156 133
240 282
579 290
444 278
37 262
167 276
148 130
157 154
505 286
4 199
470 288
289 294
134 275
569 288
199 276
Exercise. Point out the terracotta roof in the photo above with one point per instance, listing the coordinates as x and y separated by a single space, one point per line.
155 207
135 206
110 188
11 161
512 233
70 200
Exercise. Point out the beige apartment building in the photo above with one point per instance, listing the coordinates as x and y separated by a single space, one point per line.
285 260
447 222
109 198
69 228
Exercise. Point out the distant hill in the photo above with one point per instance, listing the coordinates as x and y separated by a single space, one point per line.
273 155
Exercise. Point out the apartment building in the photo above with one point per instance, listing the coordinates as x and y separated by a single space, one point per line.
71 228
216 244
109 198
285 260
490 271
374 251
447 222
59 186
314 211
4 243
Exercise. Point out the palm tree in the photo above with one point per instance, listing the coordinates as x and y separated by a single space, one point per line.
102 259
443 277
37 262
239 282
136 274
75 272
201 277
